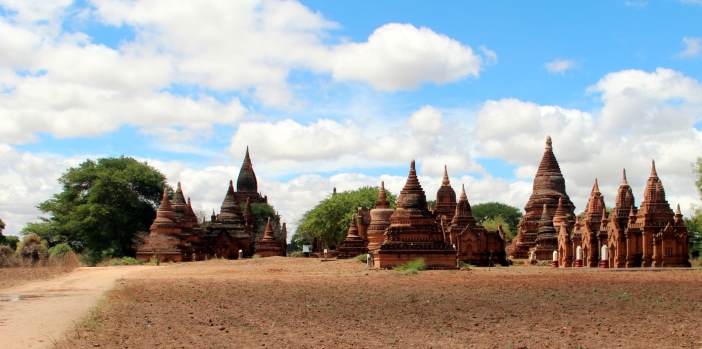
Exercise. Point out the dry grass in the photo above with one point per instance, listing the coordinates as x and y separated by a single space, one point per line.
304 303
23 274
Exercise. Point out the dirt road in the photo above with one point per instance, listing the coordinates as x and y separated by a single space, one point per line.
37 314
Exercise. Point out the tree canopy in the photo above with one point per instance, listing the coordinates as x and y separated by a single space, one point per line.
102 206
329 220
491 210
694 222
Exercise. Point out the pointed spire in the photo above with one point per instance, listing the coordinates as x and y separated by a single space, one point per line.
604 212
353 229
624 182
632 213
164 214
549 145
178 197
653 169
677 210
595 187
560 212
165 201
544 213
464 197
417 198
246 182
382 197
268 235
445 181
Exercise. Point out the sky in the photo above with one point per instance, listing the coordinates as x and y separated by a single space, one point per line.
346 93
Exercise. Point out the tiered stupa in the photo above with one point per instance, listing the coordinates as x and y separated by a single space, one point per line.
269 246
247 185
353 245
165 238
379 220
616 229
474 244
228 228
413 232
546 240
590 232
549 186
445 199
661 236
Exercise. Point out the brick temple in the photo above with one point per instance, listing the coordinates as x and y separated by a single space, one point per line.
232 230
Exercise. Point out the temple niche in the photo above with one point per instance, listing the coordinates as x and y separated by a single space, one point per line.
413 232
548 189
181 237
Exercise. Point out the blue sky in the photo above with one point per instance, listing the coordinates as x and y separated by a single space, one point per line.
345 93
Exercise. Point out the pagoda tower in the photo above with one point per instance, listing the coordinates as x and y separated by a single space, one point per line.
246 184
658 234
413 232
379 220
546 238
592 235
617 225
269 246
445 199
549 186
352 245
227 230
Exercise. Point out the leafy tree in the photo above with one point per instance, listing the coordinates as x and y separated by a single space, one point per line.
2 227
329 220
103 204
494 223
491 210
11 241
694 232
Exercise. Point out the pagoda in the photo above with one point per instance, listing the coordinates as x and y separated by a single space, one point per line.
413 232
352 245
269 246
592 230
616 229
445 199
228 232
246 183
474 244
379 220
165 235
548 188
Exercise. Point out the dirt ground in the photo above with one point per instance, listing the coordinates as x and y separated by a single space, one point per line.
39 310
306 303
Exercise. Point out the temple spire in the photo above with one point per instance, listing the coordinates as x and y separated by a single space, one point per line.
445 181
624 181
268 234
653 169
353 229
677 210
595 187
549 145
464 197
382 197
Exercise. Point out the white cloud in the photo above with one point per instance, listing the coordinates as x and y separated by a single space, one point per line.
559 66
426 120
693 47
401 56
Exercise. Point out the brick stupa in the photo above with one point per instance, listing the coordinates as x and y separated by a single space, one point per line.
445 199
413 232
379 220
246 183
353 245
549 186
269 246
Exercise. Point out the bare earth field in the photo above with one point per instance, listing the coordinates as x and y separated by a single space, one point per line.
306 303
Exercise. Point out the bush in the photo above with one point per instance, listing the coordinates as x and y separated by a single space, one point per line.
297 254
462 264
32 250
361 257
62 255
59 250
125 261
8 259
412 267
256 256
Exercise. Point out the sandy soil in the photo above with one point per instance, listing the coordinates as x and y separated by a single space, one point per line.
39 313
305 303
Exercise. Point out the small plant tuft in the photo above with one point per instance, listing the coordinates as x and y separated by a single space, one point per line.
256 256
412 267
361 257
297 254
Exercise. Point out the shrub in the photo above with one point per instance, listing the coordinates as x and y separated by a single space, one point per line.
361 257
125 261
256 256
462 264
63 256
32 250
297 254
412 267
8 259
59 250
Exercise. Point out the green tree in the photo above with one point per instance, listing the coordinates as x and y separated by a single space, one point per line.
329 220
494 224
492 210
103 205
694 232
2 227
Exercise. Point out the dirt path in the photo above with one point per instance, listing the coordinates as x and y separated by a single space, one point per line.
36 315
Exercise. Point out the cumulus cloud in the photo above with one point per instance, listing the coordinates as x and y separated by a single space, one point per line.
426 120
559 66
401 56
645 115
693 47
